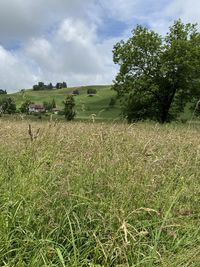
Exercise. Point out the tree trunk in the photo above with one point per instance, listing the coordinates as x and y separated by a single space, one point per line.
164 115
166 105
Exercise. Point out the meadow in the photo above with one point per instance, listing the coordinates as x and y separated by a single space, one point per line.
88 194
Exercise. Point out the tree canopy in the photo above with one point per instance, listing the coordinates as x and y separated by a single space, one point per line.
158 75
25 106
7 105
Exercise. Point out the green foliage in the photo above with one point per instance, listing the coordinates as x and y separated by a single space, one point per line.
64 85
53 103
7 105
91 91
48 106
3 92
25 106
158 76
76 92
61 85
69 105
112 102
40 86
50 86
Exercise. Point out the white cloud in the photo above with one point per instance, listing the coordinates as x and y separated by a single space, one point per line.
187 10
77 30
14 71
41 52
21 19
73 53
56 40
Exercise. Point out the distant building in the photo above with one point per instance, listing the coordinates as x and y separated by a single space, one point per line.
35 108
56 110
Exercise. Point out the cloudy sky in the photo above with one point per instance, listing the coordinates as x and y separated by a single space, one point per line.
72 40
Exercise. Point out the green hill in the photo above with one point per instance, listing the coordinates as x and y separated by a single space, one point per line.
98 104
85 105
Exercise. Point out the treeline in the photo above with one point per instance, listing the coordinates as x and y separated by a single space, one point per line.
41 86
3 92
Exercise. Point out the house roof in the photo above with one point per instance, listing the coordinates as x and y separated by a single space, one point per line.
36 106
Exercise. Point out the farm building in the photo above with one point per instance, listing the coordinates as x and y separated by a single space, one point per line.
56 110
35 108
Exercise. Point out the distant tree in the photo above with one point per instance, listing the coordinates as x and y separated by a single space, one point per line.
59 86
91 91
36 87
3 92
50 86
64 85
69 107
47 106
25 106
7 105
41 85
11 106
112 102
76 92
53 103
158 75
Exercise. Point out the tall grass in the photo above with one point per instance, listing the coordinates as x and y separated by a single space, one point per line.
75 194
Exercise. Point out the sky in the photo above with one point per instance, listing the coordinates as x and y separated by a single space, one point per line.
72 40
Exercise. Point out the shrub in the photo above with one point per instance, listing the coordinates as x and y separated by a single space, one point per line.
112 102
91 91
69 111
76 92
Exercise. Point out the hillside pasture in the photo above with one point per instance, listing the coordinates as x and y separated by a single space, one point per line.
85 105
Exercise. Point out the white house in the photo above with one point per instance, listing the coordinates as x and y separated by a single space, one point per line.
35 108
56 110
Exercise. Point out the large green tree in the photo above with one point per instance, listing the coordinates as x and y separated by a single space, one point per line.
158 75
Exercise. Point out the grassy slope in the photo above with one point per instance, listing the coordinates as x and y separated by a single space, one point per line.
99 195
85 106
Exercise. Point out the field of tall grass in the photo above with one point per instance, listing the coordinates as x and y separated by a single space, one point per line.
97 194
